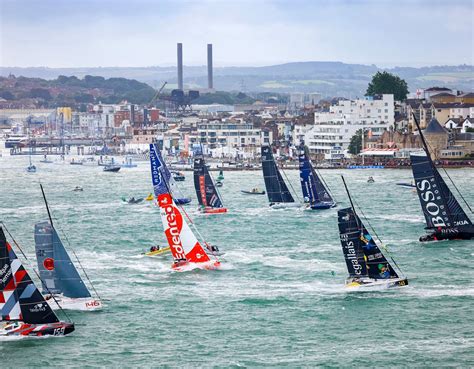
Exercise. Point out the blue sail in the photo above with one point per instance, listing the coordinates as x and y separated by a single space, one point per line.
314 191
58 273
171 186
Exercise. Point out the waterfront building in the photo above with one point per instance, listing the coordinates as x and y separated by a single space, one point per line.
336 127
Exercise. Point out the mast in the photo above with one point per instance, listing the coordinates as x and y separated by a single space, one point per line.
425 145
47 207
352 204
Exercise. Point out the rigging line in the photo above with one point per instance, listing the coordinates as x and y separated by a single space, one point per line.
459 192
325 183
36 273
67 239
80 264
296 193
427 146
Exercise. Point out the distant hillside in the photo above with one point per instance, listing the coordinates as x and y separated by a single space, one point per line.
328 78
72 91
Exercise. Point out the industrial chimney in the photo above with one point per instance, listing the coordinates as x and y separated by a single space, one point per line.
180 66
210 82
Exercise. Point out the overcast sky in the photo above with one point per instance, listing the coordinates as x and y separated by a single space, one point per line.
74 33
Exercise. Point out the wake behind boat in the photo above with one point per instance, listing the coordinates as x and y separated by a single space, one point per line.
187 251
367 266
444 216
25 312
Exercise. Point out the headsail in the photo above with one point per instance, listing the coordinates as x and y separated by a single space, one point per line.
314 190
439 205
19 297
205 189
57 271
183 243
277 190
363 256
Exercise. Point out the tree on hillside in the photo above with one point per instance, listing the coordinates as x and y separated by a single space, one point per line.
41 93
387 83
355 145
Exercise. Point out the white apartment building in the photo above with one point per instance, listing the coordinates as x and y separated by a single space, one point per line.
231 134
336 127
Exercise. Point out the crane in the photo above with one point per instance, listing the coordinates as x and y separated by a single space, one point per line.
155 97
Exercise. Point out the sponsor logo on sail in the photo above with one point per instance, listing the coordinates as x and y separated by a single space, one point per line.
5 273
38 308
351 254
429 194
175 223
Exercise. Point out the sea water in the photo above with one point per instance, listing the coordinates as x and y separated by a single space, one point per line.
279 298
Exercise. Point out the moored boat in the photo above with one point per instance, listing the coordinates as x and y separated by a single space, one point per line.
112 168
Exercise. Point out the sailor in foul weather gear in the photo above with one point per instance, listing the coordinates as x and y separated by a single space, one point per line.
384 272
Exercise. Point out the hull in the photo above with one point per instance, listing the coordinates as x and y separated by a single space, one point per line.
111 169
31 169
36 330
409 185
376 284
158 252
322 206
182 201
253 193
454 234
82 304
209 210
186 266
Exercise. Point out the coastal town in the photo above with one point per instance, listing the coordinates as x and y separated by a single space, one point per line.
234 133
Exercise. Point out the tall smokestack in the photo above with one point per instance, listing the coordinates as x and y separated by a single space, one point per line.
210 82
180 66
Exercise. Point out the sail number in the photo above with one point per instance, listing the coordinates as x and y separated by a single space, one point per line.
58 331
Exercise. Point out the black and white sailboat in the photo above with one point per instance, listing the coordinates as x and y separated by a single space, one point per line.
24 310
367 266
209 200
278 193
315 191
445 218
58 273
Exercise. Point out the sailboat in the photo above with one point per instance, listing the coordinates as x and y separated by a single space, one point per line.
367 266
31 168
178 196
58 274
24 310
187 251
316 194
206 192
445 218
278 194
